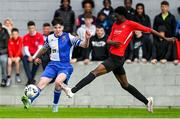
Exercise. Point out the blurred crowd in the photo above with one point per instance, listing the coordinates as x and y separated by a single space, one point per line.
143 48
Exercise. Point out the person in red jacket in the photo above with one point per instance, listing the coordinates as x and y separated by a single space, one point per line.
32 42
119 38
14 55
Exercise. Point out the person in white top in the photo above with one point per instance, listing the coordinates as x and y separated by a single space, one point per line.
81 54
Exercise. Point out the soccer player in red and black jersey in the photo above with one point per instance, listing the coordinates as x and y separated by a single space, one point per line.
119 38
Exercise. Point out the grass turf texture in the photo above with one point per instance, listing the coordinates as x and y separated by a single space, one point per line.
36 112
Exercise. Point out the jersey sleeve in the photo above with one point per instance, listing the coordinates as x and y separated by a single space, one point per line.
137 26
46 44
75 40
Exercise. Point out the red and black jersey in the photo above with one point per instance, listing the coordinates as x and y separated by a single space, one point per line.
123 33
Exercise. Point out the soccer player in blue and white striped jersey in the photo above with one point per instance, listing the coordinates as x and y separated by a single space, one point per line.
59 68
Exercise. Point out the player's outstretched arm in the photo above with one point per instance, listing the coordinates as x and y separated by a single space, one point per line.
154 32
85 42
40 52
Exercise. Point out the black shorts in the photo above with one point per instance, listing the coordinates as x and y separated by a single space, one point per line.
115 63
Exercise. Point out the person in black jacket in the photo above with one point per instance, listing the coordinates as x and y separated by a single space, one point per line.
67 14
98 46
143 19
4 36
165 18
130 9
161 48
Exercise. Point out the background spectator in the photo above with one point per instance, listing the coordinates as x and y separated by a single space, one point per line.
130 16
165 18
4 36
178 45
130 9
32 42
178 38
137 45
66 13
97 46
88 6
81 54
103 20
46 32
178 23
14 55
161 48
8 25
146 42
108 10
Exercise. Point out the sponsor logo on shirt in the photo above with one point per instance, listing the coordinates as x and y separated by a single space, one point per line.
98 44
117 32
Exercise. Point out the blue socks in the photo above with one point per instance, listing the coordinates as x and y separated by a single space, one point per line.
57 94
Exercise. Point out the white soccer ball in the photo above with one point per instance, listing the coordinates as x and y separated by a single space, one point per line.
31 91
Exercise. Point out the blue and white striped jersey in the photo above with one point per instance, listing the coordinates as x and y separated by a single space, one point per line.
60 46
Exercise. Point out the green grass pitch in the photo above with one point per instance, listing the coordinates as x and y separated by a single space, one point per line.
40 112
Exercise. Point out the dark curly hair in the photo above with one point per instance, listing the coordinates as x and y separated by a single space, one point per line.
106 0
63 1
88 1
56 21
121 11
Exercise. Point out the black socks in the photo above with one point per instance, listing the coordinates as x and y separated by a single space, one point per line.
132 90
85 81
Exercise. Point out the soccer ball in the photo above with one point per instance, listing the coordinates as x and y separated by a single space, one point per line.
31 91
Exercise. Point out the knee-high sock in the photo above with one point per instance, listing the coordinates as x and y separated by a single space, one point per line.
85 81
57 94
33 98
132 90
